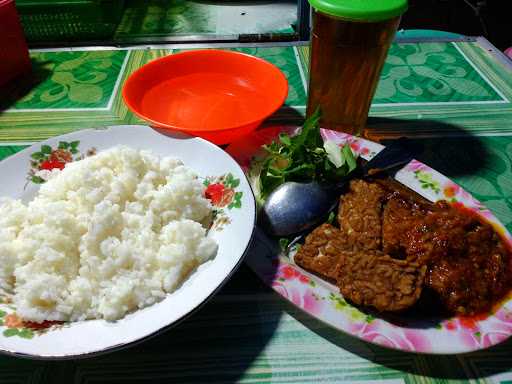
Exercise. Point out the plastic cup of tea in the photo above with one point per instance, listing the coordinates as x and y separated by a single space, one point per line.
349 44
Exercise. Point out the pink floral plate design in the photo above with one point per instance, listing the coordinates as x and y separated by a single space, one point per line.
323 300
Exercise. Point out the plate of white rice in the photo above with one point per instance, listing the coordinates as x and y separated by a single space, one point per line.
108 236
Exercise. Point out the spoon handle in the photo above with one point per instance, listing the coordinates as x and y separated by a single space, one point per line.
394 155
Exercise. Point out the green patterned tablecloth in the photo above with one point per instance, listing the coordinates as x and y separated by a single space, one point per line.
453 97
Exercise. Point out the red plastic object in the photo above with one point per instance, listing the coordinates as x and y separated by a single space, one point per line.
217 95
14 59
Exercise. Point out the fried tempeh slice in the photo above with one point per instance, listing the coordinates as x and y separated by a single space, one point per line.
373 279
359 215
321 250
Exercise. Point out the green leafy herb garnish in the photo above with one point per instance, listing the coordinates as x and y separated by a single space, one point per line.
304 157
284 243
332 218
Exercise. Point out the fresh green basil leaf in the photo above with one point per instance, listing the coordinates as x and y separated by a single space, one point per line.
350 158
285 139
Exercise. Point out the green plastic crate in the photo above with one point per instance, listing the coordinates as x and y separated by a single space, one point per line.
69 20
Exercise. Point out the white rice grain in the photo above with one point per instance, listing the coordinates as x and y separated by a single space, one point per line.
107 235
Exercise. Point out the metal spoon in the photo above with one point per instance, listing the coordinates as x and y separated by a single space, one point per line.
295 207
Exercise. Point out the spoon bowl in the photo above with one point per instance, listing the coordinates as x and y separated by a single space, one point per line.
294 207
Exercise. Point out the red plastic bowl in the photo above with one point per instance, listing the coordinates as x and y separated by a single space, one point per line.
217 95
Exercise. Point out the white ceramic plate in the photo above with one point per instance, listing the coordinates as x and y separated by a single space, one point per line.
232 230
323 300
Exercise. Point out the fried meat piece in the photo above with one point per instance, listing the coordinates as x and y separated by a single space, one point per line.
468 265
373 279
359 215
398 217
321 250
397 189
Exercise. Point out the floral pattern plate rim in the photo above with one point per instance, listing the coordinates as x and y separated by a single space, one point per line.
235 213
323 301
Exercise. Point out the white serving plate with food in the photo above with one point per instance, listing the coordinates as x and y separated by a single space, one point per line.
232 229
323 301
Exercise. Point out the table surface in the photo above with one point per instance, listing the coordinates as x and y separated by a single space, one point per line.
455 97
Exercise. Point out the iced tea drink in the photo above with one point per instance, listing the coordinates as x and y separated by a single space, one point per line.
347 55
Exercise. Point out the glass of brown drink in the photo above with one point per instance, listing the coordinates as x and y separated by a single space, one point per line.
350 40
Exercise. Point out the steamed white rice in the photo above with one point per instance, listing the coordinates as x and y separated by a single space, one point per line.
105 236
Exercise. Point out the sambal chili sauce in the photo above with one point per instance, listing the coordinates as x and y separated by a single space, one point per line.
469 265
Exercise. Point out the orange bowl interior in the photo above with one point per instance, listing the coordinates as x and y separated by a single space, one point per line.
214 94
